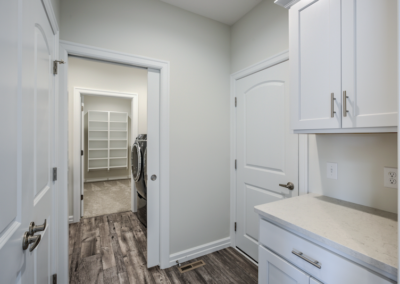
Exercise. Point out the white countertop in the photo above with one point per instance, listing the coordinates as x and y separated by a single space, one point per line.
367 235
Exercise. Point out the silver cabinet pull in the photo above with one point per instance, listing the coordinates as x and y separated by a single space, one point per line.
28 239
345 97
36 228
333 105
289 185
153 177
306 258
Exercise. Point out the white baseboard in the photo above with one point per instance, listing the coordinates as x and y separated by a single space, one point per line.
106 179
71 219
195 252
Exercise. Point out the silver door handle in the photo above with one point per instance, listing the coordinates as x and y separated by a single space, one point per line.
333 105
28 239
153 177
289 185
345 97
306 258
36 228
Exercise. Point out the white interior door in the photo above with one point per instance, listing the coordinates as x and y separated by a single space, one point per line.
153 166
27 114
82 156
266 149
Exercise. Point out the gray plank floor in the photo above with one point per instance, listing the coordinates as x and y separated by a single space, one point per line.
112 249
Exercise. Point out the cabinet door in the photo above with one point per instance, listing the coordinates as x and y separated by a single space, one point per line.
314 281
315 46
369 46
273 269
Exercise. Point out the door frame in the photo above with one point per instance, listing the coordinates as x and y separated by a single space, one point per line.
70 48
77 182
303 138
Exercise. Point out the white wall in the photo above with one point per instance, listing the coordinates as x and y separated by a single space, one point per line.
98 75
57 9
108 104
262 33
198 50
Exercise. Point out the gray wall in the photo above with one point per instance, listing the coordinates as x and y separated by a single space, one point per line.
57 9
263 32
98 75
198 50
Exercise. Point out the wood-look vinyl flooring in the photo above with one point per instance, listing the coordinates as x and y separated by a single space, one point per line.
112 249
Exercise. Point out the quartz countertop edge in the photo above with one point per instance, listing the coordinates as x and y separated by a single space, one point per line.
309 205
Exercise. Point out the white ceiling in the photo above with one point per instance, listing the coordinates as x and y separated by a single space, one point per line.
224 11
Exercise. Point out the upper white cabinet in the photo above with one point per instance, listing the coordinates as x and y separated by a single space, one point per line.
343 57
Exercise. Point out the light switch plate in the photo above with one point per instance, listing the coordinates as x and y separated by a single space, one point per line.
390 177
331 170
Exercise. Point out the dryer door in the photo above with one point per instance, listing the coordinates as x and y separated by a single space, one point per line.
136 162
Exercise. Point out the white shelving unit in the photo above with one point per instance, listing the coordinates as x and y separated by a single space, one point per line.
108 140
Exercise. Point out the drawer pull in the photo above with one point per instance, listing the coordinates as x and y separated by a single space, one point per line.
306 258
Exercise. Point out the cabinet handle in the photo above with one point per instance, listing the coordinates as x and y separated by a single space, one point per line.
333 105
306 258
345 97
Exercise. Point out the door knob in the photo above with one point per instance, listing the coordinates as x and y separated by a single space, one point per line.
289 185
28 239
153 177
38 228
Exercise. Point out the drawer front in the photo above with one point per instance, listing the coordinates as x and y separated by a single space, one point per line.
333 268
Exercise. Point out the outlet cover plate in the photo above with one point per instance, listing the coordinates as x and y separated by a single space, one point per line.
331 170
390 178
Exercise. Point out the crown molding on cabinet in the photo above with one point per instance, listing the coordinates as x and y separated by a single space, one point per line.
286 3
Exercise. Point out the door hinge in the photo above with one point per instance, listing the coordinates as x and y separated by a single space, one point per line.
55 66
54 174
54 278
235 164
235 226
235 101
81 152
81 196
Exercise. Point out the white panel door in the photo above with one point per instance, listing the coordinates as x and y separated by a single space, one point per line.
273 269
83 156
153 168
369 40
314 281
314 34
266 149
27 114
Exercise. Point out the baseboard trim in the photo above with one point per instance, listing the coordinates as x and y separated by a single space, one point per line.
195 252
106 179
71 219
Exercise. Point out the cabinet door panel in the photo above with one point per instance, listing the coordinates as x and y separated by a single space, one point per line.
315 47
275 270
314 281
369 46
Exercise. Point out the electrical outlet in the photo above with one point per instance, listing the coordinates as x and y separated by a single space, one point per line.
390 177
331 170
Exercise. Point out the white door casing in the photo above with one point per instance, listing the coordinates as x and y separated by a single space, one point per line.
83 156
315 64
369 62
266 149
28 112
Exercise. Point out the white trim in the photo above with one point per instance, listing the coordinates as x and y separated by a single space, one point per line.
52 16
69 48
77 114
71 219
196 252
286 3
107 179
349 130
303 157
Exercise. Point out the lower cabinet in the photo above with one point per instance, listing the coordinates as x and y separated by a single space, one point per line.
273 269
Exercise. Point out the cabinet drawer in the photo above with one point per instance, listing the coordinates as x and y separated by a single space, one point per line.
333 268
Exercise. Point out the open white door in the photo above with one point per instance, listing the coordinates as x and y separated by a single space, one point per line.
153 182
27 144
82 157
